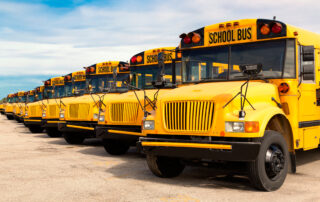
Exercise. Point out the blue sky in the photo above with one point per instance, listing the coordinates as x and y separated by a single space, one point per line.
40 39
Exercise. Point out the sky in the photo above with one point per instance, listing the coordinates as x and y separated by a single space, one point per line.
40 39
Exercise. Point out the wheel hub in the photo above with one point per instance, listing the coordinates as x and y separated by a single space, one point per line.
274 161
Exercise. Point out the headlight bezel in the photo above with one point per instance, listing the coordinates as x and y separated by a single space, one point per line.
148 125
234 127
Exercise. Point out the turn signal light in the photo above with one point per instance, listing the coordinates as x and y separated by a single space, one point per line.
265 29
196 38
251 126
283 88
133 59
92 69
179 55
276 28
186 40
139 58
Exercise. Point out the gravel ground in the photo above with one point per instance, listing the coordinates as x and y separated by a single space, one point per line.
35 167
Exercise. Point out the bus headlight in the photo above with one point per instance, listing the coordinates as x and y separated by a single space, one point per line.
101 118
148 125
234 127
95 116
43 113
242 127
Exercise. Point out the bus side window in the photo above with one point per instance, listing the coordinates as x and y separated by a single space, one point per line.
307 66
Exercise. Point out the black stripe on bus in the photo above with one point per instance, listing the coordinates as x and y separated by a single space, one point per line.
305 124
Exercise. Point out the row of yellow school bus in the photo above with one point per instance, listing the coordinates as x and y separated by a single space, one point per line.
240 91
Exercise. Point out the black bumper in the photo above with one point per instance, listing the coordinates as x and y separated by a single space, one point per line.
35 121
18 118
103 132
240 151
2 111
50 123
84 128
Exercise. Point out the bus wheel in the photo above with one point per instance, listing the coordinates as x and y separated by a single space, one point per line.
53 132
35 129
165 167
9 117
73 138
270 169
115 147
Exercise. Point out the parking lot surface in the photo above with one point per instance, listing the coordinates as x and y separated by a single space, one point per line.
35 167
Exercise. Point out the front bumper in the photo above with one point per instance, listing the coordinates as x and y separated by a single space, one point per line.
50 123
34 121
190 149
9 113
126 133
2 111
84 128
18 117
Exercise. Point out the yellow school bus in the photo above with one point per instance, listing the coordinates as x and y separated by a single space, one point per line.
120 124
3 105
50 111
17 108
9 106
30 96
260 111
80 116
75 87
33 113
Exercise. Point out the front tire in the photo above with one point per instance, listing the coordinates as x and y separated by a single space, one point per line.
115 147
9 117
35 129
165 167
53 132
270 169
73 138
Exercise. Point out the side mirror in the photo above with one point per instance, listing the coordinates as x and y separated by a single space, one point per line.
308 53
308 72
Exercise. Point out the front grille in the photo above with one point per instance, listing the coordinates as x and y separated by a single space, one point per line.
124 112
33 110
193 116
53 111
79 111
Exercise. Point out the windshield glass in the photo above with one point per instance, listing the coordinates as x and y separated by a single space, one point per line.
79 86
30 98
39 94
58 91
100 83
23 98
277 59
143 76
48 92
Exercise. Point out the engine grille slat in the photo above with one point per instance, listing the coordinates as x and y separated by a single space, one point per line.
124 112
193 116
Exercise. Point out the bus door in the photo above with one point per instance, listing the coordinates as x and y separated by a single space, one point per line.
309 108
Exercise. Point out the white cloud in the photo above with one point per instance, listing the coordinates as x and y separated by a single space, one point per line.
36 39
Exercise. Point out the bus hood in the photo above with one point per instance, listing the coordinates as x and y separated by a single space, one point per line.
222 92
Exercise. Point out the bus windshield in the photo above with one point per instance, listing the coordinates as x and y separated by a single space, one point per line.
39 94
23 98
101 83
58 91
143 76
48 92
222 63
30 98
